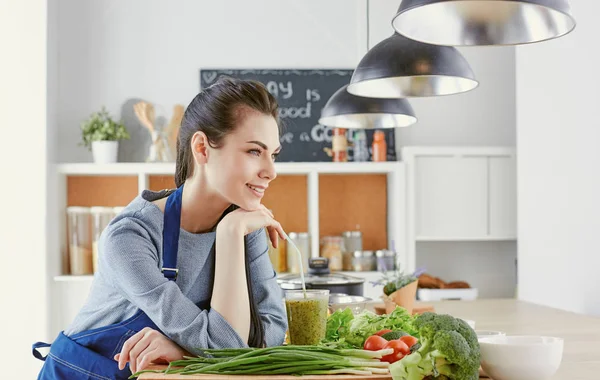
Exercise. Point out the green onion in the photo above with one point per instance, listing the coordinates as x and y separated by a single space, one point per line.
289 360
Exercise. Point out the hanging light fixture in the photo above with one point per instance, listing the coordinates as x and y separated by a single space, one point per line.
399 67
344 110
483 22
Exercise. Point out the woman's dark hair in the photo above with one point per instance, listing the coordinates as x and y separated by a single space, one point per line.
217 111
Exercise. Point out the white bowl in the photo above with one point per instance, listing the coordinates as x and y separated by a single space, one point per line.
488 333
521 357
341 301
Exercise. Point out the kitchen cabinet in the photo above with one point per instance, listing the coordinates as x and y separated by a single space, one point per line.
502 196
135 177
450 196
459 193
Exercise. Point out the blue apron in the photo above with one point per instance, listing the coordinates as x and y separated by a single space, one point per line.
89 354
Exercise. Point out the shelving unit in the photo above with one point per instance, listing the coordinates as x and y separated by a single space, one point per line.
312 170
70 291
369 290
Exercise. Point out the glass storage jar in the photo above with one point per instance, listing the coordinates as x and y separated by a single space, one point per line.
101 216
386 260
80 242
302 241
332 248
352 243
364 261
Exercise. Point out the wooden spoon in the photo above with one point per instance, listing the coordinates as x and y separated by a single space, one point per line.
145 114
172 130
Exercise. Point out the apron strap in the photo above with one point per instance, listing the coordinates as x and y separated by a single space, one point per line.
171 225
36 353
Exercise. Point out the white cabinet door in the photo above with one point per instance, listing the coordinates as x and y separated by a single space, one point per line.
451 196
503 196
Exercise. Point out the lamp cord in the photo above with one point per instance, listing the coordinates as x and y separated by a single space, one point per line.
368 27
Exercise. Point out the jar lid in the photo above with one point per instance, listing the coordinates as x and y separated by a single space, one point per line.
101 210
295 235
363 254
351 234
324 279
78 209
385 253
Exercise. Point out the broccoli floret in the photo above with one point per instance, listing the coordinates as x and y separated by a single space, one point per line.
449 349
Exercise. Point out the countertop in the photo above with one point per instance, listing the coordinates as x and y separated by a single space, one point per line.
581 357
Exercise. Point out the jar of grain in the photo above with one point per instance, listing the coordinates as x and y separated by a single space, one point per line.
101 216
352 243
332 248
80 242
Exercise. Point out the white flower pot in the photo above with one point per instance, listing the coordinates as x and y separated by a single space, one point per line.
105 152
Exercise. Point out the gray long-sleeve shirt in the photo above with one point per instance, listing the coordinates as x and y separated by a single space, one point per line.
129 279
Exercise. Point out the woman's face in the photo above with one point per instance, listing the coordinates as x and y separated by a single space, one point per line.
242 168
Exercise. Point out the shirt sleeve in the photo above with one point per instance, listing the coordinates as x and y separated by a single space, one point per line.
267 293
132 260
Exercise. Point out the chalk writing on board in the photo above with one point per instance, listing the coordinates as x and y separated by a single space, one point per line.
301 95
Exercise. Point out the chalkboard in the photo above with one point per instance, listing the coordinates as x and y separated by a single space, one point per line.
301 95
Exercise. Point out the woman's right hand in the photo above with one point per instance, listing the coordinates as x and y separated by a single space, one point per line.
245 222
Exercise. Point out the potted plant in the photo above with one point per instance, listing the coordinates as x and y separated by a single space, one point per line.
101 134
399 289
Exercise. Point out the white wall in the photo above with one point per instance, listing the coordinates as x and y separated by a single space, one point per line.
558 135
23 160
112 51
483 116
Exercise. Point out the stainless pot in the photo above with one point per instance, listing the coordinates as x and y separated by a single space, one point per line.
320 277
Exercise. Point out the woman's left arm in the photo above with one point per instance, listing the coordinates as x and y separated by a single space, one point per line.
267 293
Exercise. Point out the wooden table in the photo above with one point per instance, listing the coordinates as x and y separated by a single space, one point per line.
581 357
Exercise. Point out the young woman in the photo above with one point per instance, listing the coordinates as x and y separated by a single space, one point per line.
185 269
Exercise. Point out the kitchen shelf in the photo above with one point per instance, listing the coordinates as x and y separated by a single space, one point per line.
90 277
297 168
72 278
394 171
464 238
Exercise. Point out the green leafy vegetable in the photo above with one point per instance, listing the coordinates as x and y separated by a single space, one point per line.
289 360
449 348
347 330
394 335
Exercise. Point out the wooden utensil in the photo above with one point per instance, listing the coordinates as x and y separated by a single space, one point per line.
145 114
172 129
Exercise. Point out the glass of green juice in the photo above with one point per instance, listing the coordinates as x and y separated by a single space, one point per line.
307 315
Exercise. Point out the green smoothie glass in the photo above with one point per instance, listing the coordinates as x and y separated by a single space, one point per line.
307 315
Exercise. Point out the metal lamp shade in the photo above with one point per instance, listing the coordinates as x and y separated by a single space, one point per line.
344 110
483 22
399 67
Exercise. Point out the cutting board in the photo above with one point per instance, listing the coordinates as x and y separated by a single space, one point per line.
160 376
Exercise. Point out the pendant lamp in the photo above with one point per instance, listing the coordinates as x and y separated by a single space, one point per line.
399 67
483 22
344 110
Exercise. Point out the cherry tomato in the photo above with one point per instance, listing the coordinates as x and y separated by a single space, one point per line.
409 340
400 350
380 333
375 343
